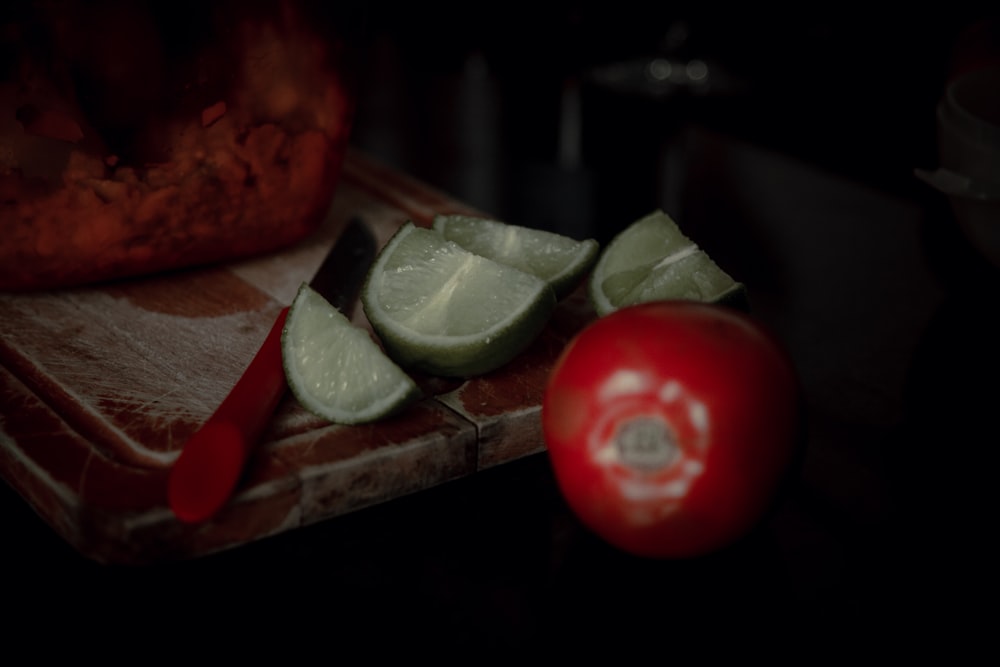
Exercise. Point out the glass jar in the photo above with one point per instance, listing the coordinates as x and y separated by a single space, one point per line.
142 136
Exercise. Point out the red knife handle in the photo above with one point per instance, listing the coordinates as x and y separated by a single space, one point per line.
212 461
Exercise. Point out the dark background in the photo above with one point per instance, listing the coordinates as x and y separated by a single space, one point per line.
886 310
449 91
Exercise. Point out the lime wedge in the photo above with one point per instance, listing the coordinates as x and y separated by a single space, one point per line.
560 260
335 369
651 260
443 310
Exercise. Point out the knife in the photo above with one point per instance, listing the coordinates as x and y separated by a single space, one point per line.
211 463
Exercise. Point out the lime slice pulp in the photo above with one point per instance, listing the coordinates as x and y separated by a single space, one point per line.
560 260
335 369
652 259
446 311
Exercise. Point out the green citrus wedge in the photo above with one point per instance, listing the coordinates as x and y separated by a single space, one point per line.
335 369
446 311
560 260
651 260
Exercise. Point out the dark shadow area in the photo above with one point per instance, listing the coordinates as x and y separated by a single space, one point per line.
566 117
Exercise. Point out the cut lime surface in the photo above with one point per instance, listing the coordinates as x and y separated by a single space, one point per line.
560 260
444 310
652 259
335 369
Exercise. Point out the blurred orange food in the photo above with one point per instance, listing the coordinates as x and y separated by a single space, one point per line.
239 155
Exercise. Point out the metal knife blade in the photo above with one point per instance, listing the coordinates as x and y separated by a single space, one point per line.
209 467
339 278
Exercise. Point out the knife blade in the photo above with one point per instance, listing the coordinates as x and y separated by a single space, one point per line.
210 465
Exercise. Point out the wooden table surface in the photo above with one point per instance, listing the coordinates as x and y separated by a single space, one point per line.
102 386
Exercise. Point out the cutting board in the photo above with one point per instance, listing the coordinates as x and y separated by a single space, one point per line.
101 386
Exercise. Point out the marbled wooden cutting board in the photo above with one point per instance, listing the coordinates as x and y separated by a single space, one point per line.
100 387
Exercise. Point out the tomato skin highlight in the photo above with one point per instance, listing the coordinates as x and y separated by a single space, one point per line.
670 426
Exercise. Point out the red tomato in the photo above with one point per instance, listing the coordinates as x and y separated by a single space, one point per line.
670 426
